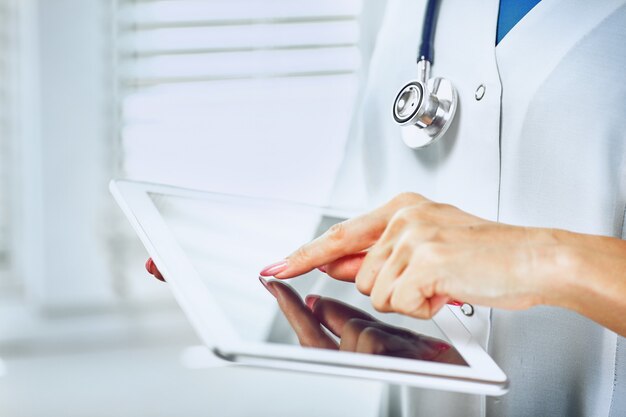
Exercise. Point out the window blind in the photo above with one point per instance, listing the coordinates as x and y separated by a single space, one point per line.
249 97
242 96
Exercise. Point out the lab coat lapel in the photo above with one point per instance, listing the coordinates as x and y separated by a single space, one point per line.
535 46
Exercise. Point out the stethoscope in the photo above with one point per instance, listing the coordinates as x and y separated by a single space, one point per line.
424 108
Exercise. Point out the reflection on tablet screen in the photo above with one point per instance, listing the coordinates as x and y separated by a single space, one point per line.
228 241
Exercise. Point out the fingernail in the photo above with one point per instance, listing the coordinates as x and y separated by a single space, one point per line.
267 286
153 270
273 269
455 303
149 265
322 268
442 346
311 300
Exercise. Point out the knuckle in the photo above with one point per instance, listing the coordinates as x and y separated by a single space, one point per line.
433 234
401 218
412 299
406 199
446 207
397 304
421 312
431 251
419 233
352 327
379 252
337 232
404 214
413 309
430 207
425 214
394 298
378 307
369 334
302 255
379 302
371 339
405 247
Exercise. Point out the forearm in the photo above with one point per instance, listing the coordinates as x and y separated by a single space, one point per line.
588 276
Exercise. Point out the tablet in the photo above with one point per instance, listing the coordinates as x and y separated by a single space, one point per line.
210 247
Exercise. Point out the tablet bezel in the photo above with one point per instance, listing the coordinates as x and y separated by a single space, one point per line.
482 375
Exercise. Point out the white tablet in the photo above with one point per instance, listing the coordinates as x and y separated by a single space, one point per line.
210 247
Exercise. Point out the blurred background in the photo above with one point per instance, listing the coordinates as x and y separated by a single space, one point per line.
249 97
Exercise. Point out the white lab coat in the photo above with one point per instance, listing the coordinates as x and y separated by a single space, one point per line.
544 147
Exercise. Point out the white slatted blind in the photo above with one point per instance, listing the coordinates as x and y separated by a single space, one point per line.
241 96
7 121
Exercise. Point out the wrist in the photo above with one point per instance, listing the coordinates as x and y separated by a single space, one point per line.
563 269
585 274
579 270
563 285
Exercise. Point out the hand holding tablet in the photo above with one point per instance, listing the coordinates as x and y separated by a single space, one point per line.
209 247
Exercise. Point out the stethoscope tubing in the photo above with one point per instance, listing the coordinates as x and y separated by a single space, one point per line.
426 49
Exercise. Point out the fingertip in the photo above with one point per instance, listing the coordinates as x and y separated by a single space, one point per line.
311 300
363 286
153 270
274 269
157 275
149 265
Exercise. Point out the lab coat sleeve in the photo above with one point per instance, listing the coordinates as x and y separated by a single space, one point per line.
618 404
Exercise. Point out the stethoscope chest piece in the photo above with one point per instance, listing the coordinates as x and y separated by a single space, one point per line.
425 110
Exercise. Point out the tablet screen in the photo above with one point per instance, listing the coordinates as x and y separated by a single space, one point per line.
229 240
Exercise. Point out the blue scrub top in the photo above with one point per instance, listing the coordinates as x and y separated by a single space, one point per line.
511 12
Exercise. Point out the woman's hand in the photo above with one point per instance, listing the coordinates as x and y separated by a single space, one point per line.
413 255
356 330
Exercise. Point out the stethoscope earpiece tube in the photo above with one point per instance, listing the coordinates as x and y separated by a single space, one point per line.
424 108
426 51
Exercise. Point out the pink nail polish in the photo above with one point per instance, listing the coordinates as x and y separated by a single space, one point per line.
311 300
273 269
322 268
267 286
441 347
149 265
456 303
